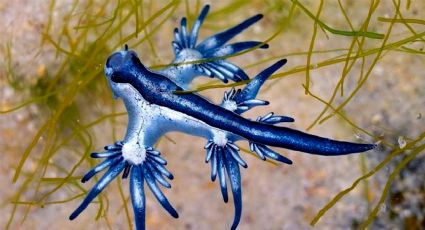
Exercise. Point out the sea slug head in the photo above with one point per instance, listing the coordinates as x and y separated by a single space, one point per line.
120 63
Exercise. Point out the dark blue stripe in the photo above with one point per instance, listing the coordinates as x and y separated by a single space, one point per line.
158 90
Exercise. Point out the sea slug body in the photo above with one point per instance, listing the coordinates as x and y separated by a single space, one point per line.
154 108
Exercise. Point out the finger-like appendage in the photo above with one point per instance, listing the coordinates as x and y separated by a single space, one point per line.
113 147
234 174
234 48
209 144
254 148
214 164
106 154
106 163
152 151
197 25
226 73
251 89
158 194
157 159
240 75
206 71
228 95
210 151
158 176
272 154
266 117
222 37
215 72
234 153
253 102
271 119
138 198
233 146
98 187
183 32
176 47
177 37
126 171
221 174
162 169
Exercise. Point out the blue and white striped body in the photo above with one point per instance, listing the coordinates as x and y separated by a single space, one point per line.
154 108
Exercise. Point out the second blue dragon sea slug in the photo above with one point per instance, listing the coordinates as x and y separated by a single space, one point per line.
155 109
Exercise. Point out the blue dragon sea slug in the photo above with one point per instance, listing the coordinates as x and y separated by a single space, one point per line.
155 109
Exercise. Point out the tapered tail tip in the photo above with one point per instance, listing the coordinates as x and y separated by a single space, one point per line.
76 213
371 146
175 215
357 148
265 46
282 62
73 216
